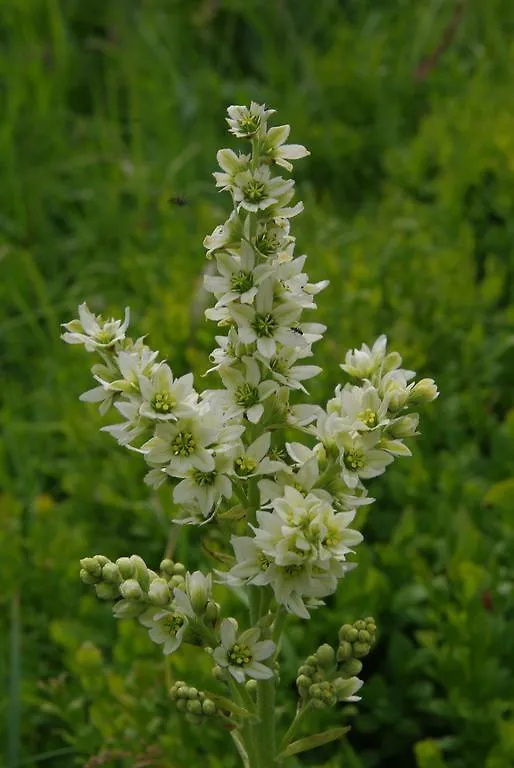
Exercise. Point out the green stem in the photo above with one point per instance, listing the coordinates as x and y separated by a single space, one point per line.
299 718
265 730
241 748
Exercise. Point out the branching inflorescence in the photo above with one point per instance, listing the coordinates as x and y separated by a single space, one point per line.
225 453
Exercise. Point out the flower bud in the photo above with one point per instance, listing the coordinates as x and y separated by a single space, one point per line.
344 651
424 391
192 693
179 569
141 572
218 673
391 361
404 426
350 668
111 573
166 566
198 587
251 685
360 650
325 656
125 567
131 590
348 633
92 567
212 612
159 592
128 609
194 707
107 591
307 669
181 705
209 707
364 636
87 578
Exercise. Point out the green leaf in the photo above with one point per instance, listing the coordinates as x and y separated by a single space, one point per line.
311 742
501 494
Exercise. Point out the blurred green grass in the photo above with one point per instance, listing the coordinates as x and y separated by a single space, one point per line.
110 110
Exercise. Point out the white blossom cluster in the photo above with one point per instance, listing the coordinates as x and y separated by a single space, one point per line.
226 447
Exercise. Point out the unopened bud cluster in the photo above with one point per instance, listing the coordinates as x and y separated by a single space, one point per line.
130 579
319 683
355 642
194 703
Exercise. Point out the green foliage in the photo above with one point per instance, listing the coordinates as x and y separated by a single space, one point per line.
113 114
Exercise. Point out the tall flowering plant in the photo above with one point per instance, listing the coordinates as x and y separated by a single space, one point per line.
226 455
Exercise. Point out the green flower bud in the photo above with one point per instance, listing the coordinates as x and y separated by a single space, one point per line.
424 391
179 569
325 656
159 592
344 651
126 567
218 673
176 582
107 591
360 624
194 707
92 566
128 609
166 567
318 704
111 573
350 668
209 707
404 426
360 650
183 691
364 636
311 661
307 669
391 361
212 612
87 578
131 590
348 633
198 587
315 691
141 573
194 719
303 682
192 693
181 705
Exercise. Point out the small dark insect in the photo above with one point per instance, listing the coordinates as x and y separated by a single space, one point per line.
178 200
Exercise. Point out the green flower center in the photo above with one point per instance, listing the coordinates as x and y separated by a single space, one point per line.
368 417
184 444
103 337
241 281
293 569
249 123
267 243
264 325
278 366
203 478
332 539
354 460
247 395
239 655
163 402
263 561
172 623
245 465
255 191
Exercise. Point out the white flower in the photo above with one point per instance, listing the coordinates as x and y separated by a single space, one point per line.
346 688
245 393
238 277
273 239
363 363
138 360
166 628
359 458
231 350
245 122
242 656
93 331
166 398
283 369
224 236
256 190
360 408
275 148
266 324
134 426
253 460
182 445
206 488
231 164
396 388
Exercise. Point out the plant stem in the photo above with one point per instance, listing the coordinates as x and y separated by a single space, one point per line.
13 733
265 729
299 717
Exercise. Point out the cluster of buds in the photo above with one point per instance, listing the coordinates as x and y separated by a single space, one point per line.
320 685
130 579
355 642
194 703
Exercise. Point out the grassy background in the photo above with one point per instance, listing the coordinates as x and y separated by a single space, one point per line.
109 109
